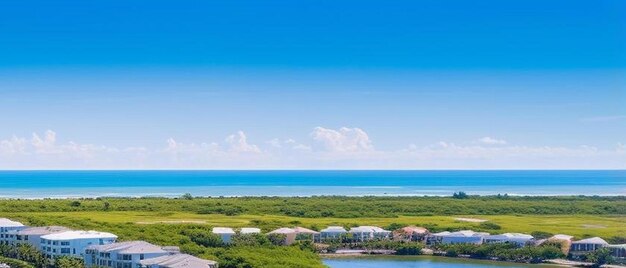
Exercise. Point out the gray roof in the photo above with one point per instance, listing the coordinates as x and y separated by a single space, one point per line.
42 230
4 222
129 247
179 261
593 240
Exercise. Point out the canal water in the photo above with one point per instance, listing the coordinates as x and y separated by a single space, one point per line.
415 262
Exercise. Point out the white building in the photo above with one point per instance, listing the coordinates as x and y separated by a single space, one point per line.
460 237
587 245
411 233
247 230
561 237
332 232
73 243
177 261
366 233
7 225
618 251
435 238
297 233
513 238
32 235
122 254
306 234
288 233
225 233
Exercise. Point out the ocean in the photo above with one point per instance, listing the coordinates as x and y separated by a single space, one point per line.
64 184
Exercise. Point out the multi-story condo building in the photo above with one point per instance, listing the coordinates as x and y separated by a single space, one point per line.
6 226
73 243
122 254
32 235
178 261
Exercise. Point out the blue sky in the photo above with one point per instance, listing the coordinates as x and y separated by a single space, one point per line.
313 84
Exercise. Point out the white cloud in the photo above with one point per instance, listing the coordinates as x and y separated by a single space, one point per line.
621 148
288 144
47 144
343 140
345 148
13 146
239 143
491 141
275 143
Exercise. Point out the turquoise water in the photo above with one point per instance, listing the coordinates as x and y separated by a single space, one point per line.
415 262
39 184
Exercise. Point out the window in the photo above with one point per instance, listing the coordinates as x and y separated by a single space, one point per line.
65 243
65 250
55 243
141 256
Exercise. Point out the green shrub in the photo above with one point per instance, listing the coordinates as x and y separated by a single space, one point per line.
489 225
15 263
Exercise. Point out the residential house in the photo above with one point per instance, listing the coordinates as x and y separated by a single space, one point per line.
618 252
564 240
460 237
513 238
32 235
288 233
332 232
247 230
411 233
366 233
122 254
306 234
224 233
435 238
73 243
177 261
295 234
7 225
584 246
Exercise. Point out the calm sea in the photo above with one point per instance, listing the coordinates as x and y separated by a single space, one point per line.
43 184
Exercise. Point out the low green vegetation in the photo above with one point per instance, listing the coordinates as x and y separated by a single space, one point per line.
26 256
14 263
505 252
339 207
187 221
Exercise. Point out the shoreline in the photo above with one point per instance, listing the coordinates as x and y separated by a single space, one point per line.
303 191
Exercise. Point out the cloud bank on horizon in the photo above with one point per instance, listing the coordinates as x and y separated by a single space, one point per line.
343 148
